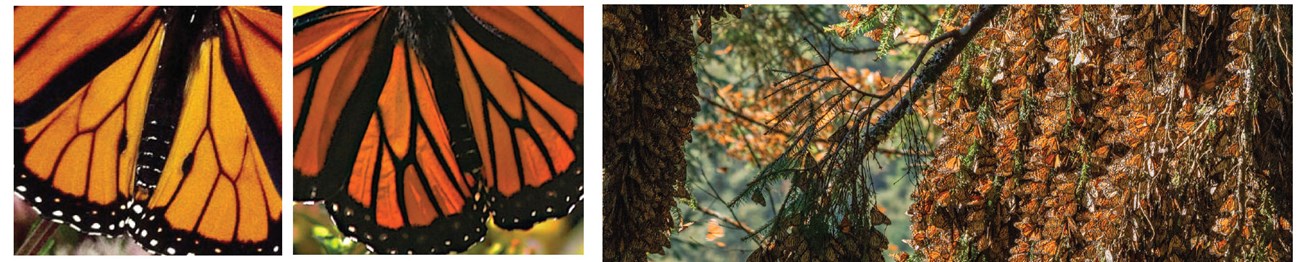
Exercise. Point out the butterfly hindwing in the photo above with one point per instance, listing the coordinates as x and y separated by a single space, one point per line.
330 54
411 124
76 135
404 191
216 193
185 176
524 106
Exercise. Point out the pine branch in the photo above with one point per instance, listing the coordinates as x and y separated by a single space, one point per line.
839 77
928 74
853 142
742 116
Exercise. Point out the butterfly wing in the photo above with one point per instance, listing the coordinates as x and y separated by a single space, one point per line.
217 193
157 217
520 73
403 189
77 132
329 44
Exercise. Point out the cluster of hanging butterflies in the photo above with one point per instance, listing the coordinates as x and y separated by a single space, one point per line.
414 125
158 122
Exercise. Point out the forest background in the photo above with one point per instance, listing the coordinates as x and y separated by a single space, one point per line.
1029 132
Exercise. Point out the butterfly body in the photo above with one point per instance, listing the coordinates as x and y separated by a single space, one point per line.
166 93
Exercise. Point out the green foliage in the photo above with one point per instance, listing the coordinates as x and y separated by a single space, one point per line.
763 37
880 24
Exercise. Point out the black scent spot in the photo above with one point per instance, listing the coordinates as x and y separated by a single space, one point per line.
121 143
189 163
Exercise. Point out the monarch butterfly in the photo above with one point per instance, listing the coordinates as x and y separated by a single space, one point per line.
415 124
159 122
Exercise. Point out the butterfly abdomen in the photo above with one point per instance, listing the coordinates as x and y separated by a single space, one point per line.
185 30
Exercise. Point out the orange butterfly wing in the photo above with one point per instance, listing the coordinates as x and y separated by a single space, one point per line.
216 193
522 77
404 190
77 133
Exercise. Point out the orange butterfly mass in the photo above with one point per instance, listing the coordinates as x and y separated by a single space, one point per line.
417 124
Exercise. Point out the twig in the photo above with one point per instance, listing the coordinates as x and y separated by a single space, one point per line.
733 222
846 83
718 196
855 51
771 128
37 239
904 152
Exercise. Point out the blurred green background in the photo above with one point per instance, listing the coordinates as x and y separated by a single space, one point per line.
315 233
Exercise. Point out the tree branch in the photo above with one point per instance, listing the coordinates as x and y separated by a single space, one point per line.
846 84
736 113
933 68
908 75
